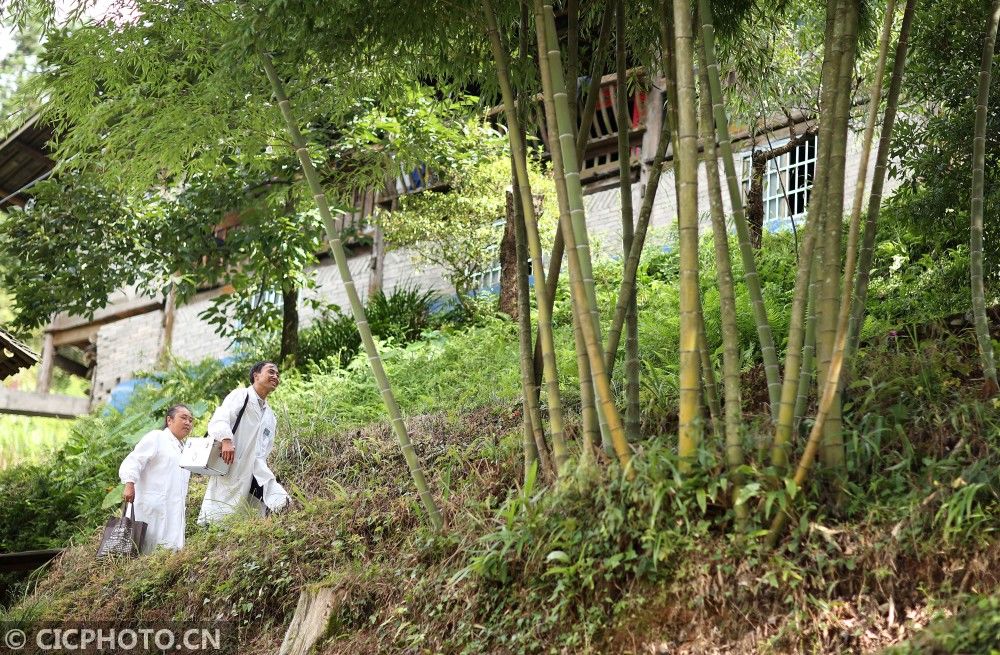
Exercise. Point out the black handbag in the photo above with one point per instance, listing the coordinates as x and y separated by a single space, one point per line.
123 536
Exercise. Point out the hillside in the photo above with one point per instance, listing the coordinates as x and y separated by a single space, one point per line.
593 562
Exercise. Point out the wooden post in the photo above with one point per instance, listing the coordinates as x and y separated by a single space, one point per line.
47 364
651 138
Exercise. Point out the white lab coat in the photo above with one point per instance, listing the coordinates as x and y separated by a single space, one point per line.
161 487
253 440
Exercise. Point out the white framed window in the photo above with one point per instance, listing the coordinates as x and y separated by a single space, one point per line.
787 183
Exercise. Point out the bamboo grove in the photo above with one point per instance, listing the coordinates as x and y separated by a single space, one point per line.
531 54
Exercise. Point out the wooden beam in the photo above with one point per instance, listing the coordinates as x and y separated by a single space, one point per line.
109 314
30 403
75 336
72 366
34 153
28 560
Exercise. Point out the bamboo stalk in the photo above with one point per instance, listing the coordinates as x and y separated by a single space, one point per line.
878 182
518 153
628 228
874 100
807 372
607 410
333 234
535 447
571 167
689 432
571 172
727 302
573 51
668 130
750 275
976 231
831 387
709 385
808 275
832 454
588 410
583 138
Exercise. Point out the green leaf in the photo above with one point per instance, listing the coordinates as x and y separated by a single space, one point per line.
702 500
114 497
791 488
557 556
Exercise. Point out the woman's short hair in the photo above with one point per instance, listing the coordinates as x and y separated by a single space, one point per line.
258 367
172 412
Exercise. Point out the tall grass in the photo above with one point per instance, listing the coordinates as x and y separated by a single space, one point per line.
28 439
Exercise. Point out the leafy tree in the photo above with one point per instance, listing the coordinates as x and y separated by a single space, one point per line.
933 154
16 65
79 241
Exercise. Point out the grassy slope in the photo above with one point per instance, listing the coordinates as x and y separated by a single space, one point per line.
604 566
591 565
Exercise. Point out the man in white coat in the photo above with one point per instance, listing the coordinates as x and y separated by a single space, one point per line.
245 424
155 482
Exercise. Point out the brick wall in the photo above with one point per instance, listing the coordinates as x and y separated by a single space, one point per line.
124 347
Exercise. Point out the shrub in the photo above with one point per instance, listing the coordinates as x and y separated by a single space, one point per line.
400 317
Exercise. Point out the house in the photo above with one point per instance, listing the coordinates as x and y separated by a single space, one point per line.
128 334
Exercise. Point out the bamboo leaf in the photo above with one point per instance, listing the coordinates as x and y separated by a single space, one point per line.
557 556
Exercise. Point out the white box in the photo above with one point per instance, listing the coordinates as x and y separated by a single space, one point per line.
203 455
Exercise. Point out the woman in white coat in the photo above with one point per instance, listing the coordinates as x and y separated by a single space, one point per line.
157 484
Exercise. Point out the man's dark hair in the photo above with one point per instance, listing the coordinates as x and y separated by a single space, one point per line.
172 412
258 367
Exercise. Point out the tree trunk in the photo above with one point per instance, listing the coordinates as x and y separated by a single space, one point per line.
377 273
333 234
167 326
289 323
976 239
755 195
47 364
509 263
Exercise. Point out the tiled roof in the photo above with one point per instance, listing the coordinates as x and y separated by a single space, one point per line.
14 355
